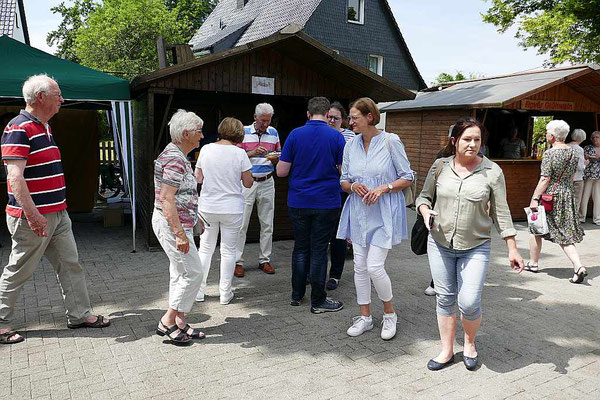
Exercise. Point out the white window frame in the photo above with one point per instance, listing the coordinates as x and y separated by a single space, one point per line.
379 64
361 13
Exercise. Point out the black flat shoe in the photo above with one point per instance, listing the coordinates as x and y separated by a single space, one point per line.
433 365
470 362
578 276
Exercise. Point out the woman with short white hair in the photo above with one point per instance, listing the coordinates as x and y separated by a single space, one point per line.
173 220
591 179
559 164
578 136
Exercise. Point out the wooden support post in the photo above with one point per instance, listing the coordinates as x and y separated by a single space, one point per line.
160 49
163 125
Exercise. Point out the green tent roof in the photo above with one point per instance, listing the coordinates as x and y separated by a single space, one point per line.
19 61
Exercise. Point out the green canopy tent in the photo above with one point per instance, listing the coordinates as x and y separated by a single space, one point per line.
81 87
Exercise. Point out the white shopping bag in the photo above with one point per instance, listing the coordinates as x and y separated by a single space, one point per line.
536 220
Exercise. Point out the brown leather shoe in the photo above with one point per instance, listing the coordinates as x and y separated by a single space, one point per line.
238 271
266 268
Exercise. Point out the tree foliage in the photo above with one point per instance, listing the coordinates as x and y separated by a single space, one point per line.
446 77
73 18
190 14
119 36
565 30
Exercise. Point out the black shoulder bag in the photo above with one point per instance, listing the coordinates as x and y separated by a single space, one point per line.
419 233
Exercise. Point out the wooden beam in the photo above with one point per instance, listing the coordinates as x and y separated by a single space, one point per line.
163 125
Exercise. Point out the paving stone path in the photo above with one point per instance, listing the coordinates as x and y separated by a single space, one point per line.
540 336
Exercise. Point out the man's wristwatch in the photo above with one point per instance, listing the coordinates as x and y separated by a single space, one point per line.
390 187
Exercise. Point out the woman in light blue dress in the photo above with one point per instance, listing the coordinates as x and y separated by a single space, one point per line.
375 169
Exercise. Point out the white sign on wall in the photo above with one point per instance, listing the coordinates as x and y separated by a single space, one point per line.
263 85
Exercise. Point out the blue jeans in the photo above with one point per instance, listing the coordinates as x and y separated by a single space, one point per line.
458 275
312 231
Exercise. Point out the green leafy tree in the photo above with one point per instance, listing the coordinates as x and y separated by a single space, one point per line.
539 131
120 36
446 77
565 30
190 14
73 18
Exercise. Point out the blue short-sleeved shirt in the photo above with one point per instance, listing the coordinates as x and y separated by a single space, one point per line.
315 151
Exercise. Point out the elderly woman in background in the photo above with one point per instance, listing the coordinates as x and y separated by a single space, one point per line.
591 179
375 169
578 136
470 195
222 167
173 220
337 118
559 164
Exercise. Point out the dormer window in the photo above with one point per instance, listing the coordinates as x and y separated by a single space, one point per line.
241 3
356 11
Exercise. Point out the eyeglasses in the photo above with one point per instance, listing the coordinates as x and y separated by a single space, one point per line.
335 119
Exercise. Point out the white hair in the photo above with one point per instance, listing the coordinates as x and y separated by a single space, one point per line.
559 129
594 134
35 84
181 121
578 135
263 109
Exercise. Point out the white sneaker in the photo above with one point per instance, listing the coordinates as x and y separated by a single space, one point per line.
226 300
429 291
388 326
200 297
360 325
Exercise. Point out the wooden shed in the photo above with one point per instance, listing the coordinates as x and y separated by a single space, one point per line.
501 103
290 66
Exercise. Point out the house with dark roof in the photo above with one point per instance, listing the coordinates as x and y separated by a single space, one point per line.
12 20
363 31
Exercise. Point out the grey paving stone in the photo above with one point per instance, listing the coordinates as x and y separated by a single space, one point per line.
539 337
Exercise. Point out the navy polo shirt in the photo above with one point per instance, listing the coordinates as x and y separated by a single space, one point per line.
315 150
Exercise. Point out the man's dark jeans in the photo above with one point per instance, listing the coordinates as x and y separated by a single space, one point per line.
338 248
312 231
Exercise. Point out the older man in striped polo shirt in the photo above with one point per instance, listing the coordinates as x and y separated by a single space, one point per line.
260 139
36 213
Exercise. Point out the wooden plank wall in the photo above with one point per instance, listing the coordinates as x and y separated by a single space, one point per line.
234 75
561 93
521 179
423 133
142 143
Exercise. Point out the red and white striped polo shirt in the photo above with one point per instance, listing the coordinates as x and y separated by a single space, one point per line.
26 138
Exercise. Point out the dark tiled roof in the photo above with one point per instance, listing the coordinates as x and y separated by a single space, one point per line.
7 16
263 17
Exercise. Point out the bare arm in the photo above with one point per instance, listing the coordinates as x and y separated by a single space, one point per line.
169 210
37 222
514 257
247 179
283 168
199 175
539 190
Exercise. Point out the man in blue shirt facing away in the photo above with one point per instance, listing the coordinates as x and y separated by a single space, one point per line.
311 157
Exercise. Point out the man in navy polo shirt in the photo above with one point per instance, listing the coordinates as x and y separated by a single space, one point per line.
36 211
311 157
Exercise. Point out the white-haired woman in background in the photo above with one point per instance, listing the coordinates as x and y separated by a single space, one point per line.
578 136
175 214
591 179
559 164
